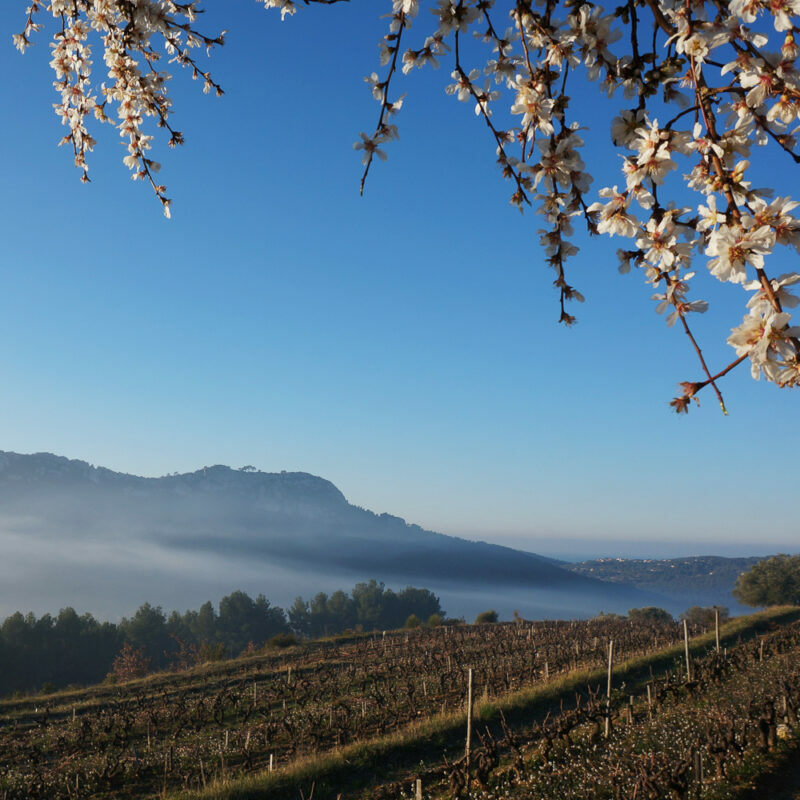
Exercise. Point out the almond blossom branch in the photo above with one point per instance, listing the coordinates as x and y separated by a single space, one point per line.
520 196
383 132
709 379
733 209
690 389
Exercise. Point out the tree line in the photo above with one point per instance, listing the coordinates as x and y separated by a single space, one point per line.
51 652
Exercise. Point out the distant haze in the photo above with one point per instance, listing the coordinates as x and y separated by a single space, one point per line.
583 549
106 542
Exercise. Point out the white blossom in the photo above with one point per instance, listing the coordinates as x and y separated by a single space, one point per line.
736 247
614 217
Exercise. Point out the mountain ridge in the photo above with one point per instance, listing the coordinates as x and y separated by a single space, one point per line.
207 477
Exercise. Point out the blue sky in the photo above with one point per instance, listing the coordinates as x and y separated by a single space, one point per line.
404 345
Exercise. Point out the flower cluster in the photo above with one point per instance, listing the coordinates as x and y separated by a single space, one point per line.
135 35
699 84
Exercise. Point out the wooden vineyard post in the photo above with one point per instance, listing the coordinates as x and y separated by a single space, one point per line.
716 625
469 716
761 650
418 789
608 687
270 762
686 648
698 773
649 701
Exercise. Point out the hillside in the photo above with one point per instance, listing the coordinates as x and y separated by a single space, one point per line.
111 541
708 580
360 716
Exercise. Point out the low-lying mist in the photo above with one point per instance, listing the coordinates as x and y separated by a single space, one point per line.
110 578
105 543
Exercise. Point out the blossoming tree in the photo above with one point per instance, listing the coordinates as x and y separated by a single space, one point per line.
696 85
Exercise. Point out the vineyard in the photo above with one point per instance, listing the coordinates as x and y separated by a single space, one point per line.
699 736
373 713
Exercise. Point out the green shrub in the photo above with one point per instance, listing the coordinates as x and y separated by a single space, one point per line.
772 582
650 614
282 640
608 617
486 617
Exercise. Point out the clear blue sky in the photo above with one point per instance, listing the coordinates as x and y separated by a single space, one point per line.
403 345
